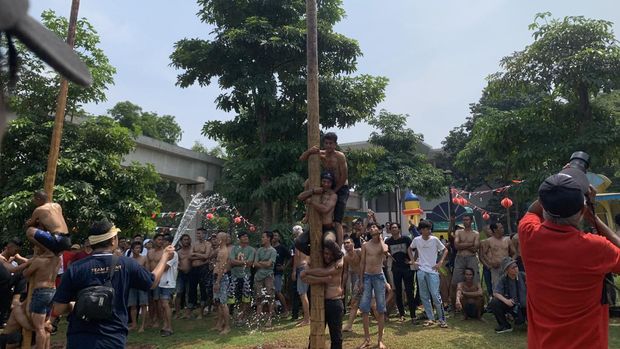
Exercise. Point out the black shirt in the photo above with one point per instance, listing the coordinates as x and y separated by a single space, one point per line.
398 250
281 258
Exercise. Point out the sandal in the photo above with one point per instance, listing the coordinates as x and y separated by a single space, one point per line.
429 323
443 324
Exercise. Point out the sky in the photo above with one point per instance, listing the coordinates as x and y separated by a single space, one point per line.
436 54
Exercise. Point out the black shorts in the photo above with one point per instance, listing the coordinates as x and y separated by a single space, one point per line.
341 204
55 242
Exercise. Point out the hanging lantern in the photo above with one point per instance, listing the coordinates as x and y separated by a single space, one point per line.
486 216
252 228
455 200
506 202
464 202
237 220
209 216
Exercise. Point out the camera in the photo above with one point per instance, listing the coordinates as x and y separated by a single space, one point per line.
580 160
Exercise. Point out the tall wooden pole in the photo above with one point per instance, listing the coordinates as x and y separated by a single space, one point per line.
317 307
61 105
52 158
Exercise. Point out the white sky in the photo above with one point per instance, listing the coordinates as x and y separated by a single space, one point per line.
435 53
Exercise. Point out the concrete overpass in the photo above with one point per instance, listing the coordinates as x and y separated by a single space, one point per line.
192 171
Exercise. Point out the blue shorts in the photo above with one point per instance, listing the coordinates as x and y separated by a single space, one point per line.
41 302
137 297
277 282
376 283
55 242
155 294
165 293
302 287
221 295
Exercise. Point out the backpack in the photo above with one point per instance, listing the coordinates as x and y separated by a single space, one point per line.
96 303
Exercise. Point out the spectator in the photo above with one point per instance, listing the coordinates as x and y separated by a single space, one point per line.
93 270
564 292
469 297
509 296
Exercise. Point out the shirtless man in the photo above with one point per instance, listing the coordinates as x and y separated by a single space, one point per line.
486 270
220 285
331 276
300 262
498 249
138 299
335 162
153 257
469 297
467 243
374 253
351 269
516 247
185 265
42 274
326 205
47 227
201 252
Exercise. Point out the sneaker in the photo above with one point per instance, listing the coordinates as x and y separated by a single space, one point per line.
503 329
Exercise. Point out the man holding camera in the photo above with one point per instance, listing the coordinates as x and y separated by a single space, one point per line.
509 296
566 266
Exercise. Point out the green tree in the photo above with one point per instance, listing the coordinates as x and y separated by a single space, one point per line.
91 183
257 55
37 88
543 105
398 165
163 128
216 151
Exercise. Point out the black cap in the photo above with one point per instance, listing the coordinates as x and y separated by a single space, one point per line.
563 194
327 175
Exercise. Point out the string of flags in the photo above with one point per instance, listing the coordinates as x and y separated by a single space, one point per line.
506 202
211 213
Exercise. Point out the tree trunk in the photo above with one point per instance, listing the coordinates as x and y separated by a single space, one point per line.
266 205
585 108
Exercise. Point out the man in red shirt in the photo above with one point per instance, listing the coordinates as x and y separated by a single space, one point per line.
566 266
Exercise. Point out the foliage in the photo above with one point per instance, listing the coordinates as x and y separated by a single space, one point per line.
397 164
257 54
90 184
216 151
37 88
544 105
163 128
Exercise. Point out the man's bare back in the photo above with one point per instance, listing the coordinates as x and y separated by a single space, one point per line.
43 270
467 242
49 217
336 163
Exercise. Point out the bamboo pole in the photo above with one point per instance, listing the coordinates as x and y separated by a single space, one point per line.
317 307
52 159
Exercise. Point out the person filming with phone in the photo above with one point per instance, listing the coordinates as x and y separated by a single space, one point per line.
566 266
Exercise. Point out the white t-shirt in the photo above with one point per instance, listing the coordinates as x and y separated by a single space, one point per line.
169 279
427 252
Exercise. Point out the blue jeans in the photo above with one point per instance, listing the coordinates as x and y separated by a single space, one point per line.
429 287
374 282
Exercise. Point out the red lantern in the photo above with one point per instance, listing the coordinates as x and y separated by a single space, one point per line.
209 216
464 202
486 216
237 220
252 228
455 200
506 202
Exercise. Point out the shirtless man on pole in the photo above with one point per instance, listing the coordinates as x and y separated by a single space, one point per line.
467 242
42 274
47 227
335 162
220 285
331 276
185 265
374 253
326 205
499 247
351 271
153 257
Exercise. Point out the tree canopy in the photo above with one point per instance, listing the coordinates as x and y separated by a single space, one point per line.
554 97
257 55
163 128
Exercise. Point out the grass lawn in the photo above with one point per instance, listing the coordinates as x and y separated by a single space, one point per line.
461 334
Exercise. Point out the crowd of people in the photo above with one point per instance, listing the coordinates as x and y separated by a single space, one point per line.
142 283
